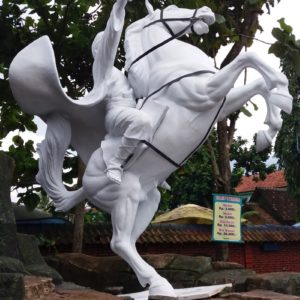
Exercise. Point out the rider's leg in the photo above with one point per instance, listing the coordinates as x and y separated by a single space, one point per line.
134 125
115 165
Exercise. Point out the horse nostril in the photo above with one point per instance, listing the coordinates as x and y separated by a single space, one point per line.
209 19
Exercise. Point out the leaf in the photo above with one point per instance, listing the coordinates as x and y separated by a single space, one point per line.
284 26
18 141
246 112
280 35
277 49
220 19
255 107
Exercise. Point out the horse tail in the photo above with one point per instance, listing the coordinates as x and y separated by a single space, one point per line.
51 152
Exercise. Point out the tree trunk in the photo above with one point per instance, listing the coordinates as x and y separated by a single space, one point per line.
226 127
78 229
8 229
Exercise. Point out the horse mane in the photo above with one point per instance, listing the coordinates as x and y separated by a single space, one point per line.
133 48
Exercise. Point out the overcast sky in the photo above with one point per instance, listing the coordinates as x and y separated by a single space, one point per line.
246 127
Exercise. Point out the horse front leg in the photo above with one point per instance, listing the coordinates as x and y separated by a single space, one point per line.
219 85
239 96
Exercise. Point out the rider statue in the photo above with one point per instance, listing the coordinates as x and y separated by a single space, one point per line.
122 117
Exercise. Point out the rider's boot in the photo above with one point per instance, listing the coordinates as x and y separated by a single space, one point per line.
114 169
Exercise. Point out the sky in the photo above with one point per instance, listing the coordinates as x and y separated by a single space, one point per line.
246 127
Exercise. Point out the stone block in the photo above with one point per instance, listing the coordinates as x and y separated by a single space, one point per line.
11 265
12 286
281 282
237 277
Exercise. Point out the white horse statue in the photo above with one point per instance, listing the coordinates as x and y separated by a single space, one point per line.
178 87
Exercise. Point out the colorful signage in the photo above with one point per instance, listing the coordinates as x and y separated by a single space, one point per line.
227 219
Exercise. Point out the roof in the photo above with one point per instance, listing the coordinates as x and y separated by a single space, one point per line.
278 203
273 180
164 233
187 214
259 217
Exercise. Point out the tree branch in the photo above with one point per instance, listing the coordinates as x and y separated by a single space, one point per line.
250 20
231 129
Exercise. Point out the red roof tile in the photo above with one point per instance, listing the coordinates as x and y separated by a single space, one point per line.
261 218
277 203
160 234
273 180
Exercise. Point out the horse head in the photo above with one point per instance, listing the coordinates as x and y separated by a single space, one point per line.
179 21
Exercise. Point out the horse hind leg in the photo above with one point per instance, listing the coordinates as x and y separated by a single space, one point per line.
158 285
123 217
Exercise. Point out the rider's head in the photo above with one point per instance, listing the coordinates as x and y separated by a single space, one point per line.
96 43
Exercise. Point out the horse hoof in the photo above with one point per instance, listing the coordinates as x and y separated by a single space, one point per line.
273 118
161 290
283 100
263 140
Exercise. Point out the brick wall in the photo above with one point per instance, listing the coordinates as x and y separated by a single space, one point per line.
261 257
285 258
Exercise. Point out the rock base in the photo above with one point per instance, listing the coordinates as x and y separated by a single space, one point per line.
37 287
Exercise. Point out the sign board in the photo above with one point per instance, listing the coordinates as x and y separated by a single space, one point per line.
227 219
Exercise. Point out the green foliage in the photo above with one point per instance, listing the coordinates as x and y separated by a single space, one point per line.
94 216
47 243
248 160
287 48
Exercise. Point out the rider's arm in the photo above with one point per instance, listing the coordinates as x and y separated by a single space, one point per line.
119 14
108 45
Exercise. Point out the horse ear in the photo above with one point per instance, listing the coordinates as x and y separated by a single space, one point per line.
149 7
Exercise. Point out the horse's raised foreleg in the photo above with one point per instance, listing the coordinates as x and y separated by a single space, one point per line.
239 96
222 82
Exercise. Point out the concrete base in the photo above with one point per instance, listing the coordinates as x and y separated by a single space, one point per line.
183 294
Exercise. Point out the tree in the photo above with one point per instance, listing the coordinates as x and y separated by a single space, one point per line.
287 48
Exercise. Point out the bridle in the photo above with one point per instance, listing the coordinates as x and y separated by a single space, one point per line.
165 21
192 20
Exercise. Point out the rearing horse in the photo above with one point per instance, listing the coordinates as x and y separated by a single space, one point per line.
184 95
